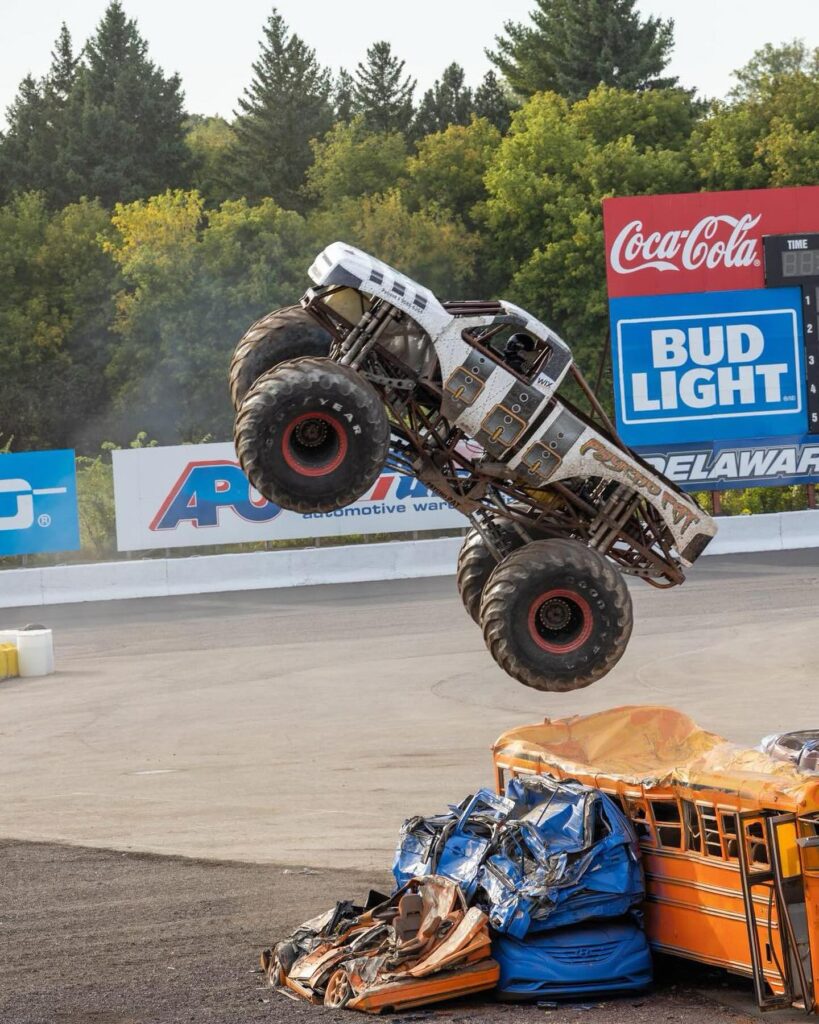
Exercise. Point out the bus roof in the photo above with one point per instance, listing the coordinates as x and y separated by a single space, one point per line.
657 747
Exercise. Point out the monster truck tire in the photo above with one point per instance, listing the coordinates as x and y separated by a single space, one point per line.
556 615
311 435
284 334
476 564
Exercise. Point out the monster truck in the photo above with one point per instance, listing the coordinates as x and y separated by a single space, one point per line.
373 371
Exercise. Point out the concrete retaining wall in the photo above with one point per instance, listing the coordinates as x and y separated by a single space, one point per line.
161 577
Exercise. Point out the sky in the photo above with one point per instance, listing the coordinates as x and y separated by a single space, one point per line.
213 45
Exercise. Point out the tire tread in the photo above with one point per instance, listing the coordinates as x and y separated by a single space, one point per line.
515 571
283 386
242 374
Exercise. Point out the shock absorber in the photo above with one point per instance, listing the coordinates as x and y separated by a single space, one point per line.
612 516
366 334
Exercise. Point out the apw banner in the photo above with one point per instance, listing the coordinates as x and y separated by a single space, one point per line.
195 495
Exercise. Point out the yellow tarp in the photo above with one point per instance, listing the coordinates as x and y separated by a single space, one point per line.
656 746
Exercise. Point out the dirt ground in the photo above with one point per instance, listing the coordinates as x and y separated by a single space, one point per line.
93 936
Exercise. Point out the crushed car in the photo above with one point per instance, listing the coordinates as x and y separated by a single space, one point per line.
421 945
534 894
545 855
472 398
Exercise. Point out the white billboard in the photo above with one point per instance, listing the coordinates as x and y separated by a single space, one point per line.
195 495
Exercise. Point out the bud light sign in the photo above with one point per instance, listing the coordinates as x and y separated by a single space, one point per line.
710 347
724 364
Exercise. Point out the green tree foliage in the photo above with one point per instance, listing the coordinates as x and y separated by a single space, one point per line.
123 134
56 310
65 65
344 96
287 104
770 65
428 244
382 92
210 140
449 101
571 46
28 148
759 500
193 283
450 167
31 149
546 184
493 102
353 161
767 135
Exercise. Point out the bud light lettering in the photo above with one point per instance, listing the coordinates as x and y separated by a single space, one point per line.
707 384
722 365
204 490
716 241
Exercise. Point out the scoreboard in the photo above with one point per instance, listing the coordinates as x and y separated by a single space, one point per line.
794 260
714 311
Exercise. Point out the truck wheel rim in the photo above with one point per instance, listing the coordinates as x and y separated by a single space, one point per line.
560 621
314 444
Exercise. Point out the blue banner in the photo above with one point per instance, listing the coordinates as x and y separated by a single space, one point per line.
750 462
716 366
38 503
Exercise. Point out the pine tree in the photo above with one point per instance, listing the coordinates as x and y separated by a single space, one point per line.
30 149
123 120
285 106
343 97
448 102
574 45
383 94
492 102
64 64
27 147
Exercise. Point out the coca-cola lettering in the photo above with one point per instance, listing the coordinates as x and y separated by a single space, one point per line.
715 241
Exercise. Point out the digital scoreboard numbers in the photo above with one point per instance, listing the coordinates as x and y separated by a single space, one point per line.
793 260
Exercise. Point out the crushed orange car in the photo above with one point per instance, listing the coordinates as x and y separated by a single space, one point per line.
422 945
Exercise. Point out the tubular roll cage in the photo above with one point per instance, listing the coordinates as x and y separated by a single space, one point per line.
609 517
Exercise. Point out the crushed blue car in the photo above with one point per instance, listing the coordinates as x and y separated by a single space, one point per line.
546 855
600 958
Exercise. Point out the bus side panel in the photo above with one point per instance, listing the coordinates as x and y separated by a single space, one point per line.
695 909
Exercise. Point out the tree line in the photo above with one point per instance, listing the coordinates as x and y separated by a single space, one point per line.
138 240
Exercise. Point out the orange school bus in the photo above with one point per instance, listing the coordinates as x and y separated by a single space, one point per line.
729 838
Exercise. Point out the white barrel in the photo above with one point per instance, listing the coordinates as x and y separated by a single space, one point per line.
35 652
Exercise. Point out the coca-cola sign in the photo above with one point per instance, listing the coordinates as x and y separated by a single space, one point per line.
698 242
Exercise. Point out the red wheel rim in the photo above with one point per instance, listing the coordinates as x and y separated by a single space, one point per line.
560 621
314 444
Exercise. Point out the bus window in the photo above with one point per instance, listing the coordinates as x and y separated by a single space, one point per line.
755 843
729 834
710 828
809 841
637 810
667 821
693 832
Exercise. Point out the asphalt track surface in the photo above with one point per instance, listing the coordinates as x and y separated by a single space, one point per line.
303 726
296 729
